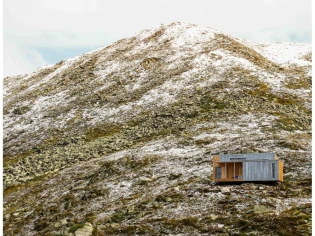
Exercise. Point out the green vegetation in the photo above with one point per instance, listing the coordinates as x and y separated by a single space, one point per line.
302 83
288 123
21 110
208 103
308 57
295 221
170 197
118 216
69 177
75 227
240 50
174 176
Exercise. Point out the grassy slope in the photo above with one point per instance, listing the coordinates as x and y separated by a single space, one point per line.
84 168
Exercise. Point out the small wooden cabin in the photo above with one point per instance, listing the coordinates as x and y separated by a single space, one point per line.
247 167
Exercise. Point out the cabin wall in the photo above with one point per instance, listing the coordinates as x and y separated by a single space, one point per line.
260 170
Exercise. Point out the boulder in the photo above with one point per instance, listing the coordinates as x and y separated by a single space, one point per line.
58 225
260 209
7 217
64 222
114 225
85 231
213 217
145 179
168 199
225 190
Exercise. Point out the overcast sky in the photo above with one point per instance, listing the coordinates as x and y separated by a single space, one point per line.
42 32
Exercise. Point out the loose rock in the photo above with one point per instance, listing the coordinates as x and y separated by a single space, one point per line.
85 231
225 190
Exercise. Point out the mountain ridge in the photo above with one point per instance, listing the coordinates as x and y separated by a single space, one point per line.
167 97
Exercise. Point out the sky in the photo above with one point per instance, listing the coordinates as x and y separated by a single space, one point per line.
42 32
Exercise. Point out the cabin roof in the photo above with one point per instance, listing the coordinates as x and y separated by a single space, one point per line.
250 160
249 156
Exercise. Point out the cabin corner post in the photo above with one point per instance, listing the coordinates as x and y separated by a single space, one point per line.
280 171
214 160
234 171
213 168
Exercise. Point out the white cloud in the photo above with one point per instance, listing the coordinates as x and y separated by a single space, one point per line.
90 23
19 60
72 6
123 18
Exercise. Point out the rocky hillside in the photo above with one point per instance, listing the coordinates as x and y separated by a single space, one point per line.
119 141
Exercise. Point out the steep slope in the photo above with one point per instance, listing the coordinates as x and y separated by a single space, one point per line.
122 137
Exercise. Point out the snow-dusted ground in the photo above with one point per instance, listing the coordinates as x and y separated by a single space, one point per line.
183 66
282 53
188 162
186 39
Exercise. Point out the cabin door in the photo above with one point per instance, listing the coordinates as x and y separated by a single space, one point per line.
218 172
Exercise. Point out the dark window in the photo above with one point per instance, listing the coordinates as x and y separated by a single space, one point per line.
218 172
237 158
273 170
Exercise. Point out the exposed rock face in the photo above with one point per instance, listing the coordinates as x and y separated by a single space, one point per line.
119 140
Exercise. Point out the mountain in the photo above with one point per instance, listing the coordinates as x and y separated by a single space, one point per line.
119 141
